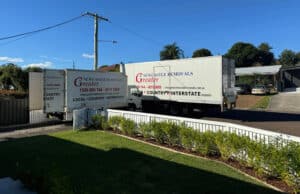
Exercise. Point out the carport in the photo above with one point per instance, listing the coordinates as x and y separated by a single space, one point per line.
290 78
267 75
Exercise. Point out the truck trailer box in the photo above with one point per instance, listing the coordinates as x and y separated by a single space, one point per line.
193 81
68 90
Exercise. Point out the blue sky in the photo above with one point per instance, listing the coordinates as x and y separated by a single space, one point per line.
192 24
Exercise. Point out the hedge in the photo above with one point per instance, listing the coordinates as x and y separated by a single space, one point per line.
268 160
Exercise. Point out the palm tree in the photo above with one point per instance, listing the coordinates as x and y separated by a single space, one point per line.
171 51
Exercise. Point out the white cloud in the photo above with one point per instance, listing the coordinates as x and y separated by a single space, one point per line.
46 64
88 56
11 60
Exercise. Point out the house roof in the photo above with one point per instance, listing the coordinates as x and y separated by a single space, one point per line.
258 70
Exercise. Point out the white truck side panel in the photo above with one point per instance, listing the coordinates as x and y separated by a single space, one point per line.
196 80
91 89
54 89
36 83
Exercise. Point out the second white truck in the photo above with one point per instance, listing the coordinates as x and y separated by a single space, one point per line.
185 85
64 91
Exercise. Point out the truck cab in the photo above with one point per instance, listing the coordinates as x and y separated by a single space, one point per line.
134 98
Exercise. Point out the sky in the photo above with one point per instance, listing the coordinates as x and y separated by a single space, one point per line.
141 29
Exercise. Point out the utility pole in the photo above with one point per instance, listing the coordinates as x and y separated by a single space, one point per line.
96 18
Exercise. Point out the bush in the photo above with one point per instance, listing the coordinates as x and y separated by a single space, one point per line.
159 131
99 122
229 145
187 135
128 127
173 134
273 159
205 143
115 122
146 130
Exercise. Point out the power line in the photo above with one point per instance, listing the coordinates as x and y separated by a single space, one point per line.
42 29
157 43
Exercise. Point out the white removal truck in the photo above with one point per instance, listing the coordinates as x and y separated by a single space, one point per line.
68 90
184 85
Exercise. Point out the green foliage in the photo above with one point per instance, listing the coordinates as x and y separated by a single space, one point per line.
159 131
187 137
128 127
265 56
99 122
274 159
244 54
115 122
264 47
173 134
205 143
12 75
202 53
146 130
171 51
263 103
288 58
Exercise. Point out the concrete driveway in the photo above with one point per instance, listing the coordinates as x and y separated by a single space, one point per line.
286 102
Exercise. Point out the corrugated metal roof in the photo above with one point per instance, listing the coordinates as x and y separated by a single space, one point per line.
259 70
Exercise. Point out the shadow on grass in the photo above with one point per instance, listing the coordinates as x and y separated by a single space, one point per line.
52 164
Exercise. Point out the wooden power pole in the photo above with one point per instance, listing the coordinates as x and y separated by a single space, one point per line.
96 18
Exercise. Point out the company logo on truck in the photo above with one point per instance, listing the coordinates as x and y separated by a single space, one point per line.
139 78
79 82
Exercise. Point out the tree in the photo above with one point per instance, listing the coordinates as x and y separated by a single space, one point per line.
12 75
298 57
265 47
171 51
264 55
244 54
288 58
33 69
202 53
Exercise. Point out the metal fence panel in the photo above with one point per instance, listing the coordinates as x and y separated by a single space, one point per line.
14 111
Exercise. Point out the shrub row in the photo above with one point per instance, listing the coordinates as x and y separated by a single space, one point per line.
268 160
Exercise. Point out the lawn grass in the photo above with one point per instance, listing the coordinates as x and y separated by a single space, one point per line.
263 103
101 162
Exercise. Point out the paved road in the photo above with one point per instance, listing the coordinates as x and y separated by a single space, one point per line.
4 136
285 102
288 123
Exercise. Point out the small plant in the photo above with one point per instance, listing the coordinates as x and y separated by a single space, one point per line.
99 122
205 143
173 134
187 137
115 122
146 130
159 129
128 127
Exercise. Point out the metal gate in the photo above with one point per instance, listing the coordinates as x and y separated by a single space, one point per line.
13 111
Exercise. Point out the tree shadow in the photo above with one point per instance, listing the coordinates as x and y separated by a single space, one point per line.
53 164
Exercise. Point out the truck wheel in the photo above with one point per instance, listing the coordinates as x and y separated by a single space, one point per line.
132 107
174 109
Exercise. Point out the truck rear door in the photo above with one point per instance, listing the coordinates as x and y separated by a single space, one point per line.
54 87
